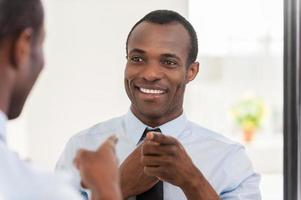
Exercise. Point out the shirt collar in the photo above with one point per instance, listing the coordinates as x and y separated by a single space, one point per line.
135 128
3 120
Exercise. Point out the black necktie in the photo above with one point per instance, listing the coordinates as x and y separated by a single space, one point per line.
156 192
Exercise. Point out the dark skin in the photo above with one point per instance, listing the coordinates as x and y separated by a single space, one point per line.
157 58
99 172
21 61
133 165
156 75
165 158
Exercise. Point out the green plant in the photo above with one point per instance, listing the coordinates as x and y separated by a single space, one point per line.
248 113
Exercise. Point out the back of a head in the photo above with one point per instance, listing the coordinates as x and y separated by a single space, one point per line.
17 15
21 26
164 17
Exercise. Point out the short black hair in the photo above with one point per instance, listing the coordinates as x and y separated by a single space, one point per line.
166 17
17 15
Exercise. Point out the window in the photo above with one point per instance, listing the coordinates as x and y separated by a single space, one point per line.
240 85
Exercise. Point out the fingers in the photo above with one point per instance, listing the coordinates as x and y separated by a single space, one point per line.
83 185
108 146
161 138
84 156
159 144
110 142
80 157
159 172
152 148
155 161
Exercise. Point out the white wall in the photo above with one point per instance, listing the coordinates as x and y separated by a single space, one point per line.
82 83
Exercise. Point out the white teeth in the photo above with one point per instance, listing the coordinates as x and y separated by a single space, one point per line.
150 91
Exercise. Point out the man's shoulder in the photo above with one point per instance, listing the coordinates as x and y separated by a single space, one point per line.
211 136
218 156
19 179
98 131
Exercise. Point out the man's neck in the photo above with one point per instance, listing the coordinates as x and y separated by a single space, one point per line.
3 105
6 86
156 122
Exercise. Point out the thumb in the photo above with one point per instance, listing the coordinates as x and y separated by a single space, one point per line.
160 138
110 142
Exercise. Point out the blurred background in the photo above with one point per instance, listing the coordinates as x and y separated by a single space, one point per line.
238 92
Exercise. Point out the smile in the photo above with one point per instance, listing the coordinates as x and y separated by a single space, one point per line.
151 91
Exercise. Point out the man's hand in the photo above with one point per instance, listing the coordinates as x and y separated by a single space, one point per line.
99 170
133 179
164 157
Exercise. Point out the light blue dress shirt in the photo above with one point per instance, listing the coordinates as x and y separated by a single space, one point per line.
223 162
19 181
3 120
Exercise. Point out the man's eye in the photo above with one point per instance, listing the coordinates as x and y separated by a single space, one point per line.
136 59
169 62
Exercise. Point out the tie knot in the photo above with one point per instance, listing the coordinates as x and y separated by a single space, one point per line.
147 129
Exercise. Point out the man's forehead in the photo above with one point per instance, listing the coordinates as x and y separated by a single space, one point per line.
171 36
152 28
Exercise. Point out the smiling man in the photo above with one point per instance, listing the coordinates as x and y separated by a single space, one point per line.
157 71
178 159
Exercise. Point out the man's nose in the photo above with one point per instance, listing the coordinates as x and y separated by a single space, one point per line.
152 71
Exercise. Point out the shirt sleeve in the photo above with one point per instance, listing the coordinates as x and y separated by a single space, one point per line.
244 181
65 164
21 180
66 167
48 189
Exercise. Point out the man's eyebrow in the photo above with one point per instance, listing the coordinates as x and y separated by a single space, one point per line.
136 50
170 55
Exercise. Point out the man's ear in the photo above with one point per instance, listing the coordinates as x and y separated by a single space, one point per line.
21 51
192 71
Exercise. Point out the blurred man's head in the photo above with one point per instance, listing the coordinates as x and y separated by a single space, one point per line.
161 51
21 51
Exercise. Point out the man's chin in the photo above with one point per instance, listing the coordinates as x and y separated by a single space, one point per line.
15 110
13 115
152 113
